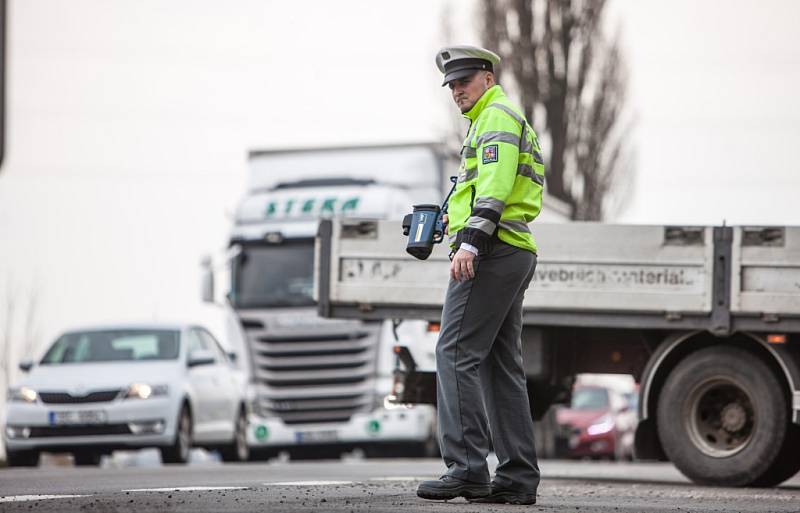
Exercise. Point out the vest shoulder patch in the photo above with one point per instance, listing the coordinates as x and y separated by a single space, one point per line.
490 153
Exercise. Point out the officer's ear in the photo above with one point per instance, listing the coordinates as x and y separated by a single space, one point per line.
489 77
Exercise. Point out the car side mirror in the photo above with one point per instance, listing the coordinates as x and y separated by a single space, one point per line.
232 356
25 365
200 357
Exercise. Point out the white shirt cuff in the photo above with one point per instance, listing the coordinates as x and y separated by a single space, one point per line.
469 247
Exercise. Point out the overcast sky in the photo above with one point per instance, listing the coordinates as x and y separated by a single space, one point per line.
129 124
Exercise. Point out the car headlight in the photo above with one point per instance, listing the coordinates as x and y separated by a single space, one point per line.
600 426
145 391
23 395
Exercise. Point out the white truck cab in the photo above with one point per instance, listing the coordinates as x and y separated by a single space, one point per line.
319 386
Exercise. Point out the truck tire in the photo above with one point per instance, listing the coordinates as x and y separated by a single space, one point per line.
238 449
788 462
263 454
427 449
722 417
430 448
22 458
179 451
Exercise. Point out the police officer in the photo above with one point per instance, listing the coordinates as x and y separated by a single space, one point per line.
481 388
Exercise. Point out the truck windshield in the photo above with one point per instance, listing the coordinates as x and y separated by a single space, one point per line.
274 275
113 346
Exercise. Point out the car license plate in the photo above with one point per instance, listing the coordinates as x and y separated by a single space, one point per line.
329 435
83 417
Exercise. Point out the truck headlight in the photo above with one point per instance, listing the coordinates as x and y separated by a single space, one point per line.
23 395
261 408
145 391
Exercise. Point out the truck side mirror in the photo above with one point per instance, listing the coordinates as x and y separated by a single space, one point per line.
25 365
207 280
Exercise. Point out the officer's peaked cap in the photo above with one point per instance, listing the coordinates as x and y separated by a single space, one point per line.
462 61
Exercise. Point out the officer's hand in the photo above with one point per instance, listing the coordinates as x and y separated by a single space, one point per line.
444 221
462 267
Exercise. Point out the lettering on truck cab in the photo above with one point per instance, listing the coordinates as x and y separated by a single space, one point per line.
310 207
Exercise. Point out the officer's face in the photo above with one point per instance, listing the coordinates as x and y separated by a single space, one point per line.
467 91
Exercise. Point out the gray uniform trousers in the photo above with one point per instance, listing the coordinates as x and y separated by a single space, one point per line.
479 373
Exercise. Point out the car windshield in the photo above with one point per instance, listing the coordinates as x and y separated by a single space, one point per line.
113 346
589 399
274 275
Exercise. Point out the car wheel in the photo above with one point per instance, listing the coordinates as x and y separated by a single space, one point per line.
238 449
178 452
721 417
22 458
86 458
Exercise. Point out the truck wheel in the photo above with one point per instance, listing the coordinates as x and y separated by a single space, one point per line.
22 458
427 449
86 458
262 454
788 462
178 452
238 450
722 417
430 448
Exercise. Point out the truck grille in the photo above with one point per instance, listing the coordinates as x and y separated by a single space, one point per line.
315 378
100 396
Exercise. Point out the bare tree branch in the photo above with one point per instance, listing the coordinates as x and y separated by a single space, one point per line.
571 84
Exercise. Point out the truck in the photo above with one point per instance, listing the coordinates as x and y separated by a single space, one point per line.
318 387
706 319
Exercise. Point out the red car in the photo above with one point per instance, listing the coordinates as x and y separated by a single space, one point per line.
599 423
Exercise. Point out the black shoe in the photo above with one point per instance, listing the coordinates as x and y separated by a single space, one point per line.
506 496
449 487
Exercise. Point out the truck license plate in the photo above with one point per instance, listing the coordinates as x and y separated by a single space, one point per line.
315 436
61 418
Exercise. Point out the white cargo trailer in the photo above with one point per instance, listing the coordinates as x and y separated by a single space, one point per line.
707 319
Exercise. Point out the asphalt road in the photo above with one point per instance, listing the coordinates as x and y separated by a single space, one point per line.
366 485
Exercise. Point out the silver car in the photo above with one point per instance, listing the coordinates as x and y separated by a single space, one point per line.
127 387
